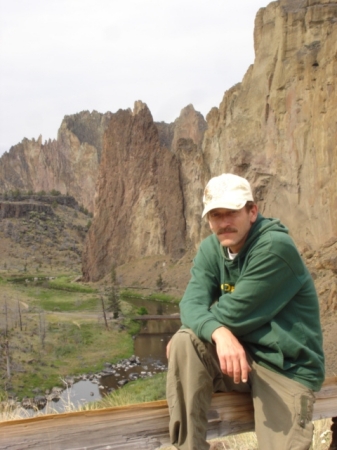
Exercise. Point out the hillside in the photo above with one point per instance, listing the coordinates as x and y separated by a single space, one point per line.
41 232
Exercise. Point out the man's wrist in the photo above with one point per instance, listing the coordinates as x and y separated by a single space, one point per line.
219 332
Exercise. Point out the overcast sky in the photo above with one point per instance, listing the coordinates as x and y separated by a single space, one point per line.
60 57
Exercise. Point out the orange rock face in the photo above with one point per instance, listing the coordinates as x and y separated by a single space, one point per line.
139 202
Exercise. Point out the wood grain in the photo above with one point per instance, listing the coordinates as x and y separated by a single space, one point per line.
141 426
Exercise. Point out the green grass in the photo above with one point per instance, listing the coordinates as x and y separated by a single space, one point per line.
63 334
64 283
139 391
70 348
60 300
66 304
158 296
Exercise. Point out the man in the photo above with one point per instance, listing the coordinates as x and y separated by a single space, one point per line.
250 319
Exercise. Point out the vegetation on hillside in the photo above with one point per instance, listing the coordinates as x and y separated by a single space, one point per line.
54 328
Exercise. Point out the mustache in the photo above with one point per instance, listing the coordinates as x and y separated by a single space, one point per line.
227 230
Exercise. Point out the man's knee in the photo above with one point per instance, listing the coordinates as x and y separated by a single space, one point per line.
181 343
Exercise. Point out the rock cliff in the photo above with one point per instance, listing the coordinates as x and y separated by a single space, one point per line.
278 127
140 205
68 164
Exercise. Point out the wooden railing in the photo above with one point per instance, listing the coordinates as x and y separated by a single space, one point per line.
143 426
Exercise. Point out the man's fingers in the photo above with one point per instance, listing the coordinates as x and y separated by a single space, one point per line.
238 369
244 374
236 372
231 354
223 366
245 369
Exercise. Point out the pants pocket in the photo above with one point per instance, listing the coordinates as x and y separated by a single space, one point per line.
304 409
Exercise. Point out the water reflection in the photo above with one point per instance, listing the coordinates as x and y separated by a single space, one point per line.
151 350
79 393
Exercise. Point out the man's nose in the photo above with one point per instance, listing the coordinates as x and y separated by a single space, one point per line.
224 219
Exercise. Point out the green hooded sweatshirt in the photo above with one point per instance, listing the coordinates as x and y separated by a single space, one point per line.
265 296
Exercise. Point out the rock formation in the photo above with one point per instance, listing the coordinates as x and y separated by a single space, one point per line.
140 205
68 164
278 127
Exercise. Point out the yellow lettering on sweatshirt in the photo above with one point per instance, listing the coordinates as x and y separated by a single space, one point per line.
227 287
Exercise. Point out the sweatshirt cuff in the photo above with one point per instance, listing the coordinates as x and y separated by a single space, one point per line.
208 329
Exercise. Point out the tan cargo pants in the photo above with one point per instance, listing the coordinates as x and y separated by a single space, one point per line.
282 407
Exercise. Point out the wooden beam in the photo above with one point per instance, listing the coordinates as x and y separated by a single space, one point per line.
141 426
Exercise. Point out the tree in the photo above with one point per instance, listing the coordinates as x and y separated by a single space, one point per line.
113 275
160 283
42 328
8 364
20 316
6 319
104 312
114 301
113 293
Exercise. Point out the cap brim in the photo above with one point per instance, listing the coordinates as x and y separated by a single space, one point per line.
225 205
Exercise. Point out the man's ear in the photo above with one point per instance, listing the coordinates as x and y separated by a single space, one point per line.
253 213
210 224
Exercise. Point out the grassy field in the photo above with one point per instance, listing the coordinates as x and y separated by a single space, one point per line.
55 328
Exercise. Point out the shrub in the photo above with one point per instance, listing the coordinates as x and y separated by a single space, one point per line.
160 283
54 192
142 311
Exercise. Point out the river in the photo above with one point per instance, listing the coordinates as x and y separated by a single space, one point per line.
149 348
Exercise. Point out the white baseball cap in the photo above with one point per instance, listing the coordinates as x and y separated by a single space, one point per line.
226 191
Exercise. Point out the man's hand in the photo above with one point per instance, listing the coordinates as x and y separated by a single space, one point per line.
231 354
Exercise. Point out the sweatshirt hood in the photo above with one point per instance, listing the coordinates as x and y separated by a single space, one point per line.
260 226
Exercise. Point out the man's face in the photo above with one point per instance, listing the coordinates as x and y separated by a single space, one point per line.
232 226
